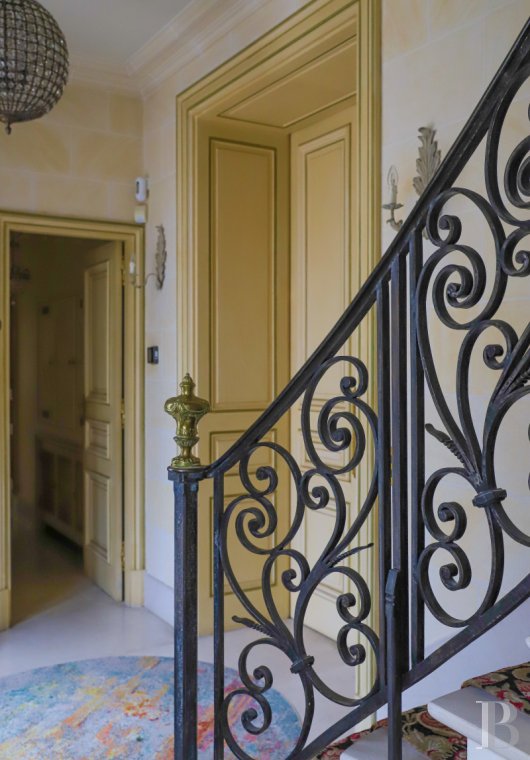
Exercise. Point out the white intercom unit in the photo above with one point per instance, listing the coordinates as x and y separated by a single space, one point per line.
142 189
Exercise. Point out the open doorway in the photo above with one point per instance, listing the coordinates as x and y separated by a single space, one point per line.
278 194
67 437
71 506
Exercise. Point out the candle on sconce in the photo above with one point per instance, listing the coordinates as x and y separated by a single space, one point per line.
393 179
393 205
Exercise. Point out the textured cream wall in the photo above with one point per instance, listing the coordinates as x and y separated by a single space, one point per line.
79 160
438 58
161 315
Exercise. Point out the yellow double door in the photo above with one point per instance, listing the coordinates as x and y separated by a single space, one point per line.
277 266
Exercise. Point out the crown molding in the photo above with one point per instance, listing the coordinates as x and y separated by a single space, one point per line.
199 25
102 75
168 35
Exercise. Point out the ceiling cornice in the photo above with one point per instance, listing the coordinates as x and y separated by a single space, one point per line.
198 26
193 30
168 35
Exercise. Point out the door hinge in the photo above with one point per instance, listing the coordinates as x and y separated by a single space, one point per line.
122 556
122 414
123 269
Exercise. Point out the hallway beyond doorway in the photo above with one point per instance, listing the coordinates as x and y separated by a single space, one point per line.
62 617
47 568
124 550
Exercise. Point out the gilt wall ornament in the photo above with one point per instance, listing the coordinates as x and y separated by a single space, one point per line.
428 161
160 256
429 158
160 263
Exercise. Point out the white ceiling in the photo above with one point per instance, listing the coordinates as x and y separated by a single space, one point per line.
110 31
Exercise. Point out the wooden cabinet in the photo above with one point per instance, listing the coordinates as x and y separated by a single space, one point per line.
60 367
60 416
60 486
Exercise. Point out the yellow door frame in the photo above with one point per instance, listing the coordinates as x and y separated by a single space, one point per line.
209 95
132 238
253 64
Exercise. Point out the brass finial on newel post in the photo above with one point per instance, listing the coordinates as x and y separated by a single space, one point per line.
186 409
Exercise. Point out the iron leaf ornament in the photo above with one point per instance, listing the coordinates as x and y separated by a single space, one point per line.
429 158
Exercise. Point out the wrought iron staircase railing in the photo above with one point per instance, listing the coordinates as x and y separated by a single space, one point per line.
422 278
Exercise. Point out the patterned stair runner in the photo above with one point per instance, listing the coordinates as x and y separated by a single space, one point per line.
433 739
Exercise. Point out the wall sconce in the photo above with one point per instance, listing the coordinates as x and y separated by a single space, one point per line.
160 263
393 205
428 161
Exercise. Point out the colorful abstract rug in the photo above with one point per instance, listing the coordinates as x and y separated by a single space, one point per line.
121 708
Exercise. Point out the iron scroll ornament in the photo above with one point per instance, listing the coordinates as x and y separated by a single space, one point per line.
462 286
255 517
449 279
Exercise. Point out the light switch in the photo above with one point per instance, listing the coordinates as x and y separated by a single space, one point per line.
152 355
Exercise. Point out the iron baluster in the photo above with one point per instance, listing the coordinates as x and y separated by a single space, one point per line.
447 280
400 533
393 665
396 594
384 464
417 453
219 622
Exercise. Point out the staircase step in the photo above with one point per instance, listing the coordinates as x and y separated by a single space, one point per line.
375 747
461 710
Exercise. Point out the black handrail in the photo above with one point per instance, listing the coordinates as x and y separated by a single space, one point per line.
410 287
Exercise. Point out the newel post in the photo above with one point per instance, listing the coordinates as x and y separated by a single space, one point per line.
186 472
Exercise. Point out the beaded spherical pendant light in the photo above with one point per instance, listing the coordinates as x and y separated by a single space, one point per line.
33 61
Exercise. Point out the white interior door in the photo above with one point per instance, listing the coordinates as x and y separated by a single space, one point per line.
103 447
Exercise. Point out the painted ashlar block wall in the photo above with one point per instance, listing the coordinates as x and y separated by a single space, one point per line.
79 160
438 56
161 307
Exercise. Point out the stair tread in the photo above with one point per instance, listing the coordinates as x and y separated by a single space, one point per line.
461 710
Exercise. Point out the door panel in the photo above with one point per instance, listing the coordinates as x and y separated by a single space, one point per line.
322 286
103 458
242 275
242 349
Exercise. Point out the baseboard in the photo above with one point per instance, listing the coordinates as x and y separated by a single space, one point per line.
159 599
5 609
134 588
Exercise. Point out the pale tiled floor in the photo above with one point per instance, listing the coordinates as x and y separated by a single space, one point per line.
60 616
